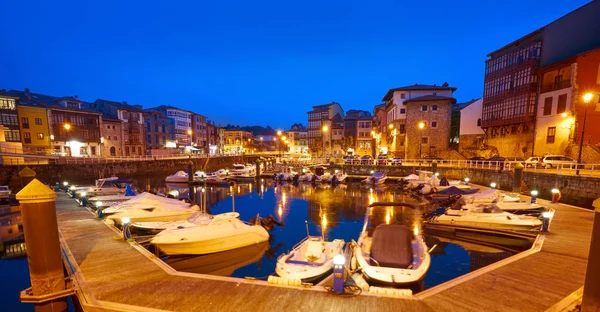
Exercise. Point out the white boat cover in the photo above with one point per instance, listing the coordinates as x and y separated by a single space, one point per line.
146 201
487 196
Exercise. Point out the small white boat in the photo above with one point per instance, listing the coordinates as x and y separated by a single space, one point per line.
310 259
198 218
376 178
111 198
487 216
337 177
241 170
306 175
389 253
178 177
287 173
490 196
216 236
148 207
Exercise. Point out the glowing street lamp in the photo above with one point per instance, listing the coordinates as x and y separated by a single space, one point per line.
586 99
67 127
421 126
279 132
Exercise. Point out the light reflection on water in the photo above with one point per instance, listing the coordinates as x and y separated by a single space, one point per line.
336 212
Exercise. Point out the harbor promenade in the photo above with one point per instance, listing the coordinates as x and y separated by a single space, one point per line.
110 274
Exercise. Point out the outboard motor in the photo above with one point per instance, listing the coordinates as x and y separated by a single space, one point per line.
314 178
334 179
295 178
444 182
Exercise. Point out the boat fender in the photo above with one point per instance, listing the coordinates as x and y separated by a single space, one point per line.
353 263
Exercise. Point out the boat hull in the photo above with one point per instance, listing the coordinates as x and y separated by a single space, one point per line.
209 246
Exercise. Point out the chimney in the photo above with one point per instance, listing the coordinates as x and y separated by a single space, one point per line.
125 102
76 97
445 84
28 95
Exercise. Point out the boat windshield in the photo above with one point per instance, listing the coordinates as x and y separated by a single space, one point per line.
239 167
486 209
392 215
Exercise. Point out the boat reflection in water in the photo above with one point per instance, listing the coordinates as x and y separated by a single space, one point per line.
12 241
222 263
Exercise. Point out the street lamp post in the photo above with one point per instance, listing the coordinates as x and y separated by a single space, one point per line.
421 127
586 99
67 127
324 128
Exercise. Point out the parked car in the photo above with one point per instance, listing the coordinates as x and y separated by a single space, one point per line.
554 161
382 159
430 158
349 159
476 160
532 162
495 160
366 160
305 158
396 161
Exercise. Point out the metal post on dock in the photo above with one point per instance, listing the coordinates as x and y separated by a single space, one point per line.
518 177
40 229
434 165
191 180
591 288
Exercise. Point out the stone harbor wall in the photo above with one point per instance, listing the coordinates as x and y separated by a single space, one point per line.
87 173
576 190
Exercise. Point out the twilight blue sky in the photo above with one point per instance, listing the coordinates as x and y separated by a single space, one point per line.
257 62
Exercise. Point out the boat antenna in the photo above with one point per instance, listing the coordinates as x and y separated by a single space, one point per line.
232 199
205 191
307 233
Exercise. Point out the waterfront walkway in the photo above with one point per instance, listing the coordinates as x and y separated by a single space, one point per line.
111 274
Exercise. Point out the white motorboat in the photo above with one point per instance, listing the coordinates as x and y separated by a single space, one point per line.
390 253
198 218
178 177
287 173
487 216
150 207
310 259
376 178
220 234
337 177
241 170
490 196
306 175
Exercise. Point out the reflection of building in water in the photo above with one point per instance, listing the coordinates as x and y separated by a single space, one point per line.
481 259
12 242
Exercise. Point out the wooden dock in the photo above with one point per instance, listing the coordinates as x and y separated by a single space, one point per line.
114 275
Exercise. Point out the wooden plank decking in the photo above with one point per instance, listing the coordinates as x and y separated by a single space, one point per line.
114 275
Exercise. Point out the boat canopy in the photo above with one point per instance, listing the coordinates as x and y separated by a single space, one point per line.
378 175
453 190
392 246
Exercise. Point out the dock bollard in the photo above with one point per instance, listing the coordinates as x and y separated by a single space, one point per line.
57 187
338 273
83 201
493 185
534 194
555 195
40 228
546 221
99 210
467 181
72 189
66 186
126 232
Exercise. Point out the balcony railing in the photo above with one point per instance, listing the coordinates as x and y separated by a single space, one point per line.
556 86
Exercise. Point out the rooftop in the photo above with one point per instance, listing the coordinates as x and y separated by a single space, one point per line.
431 98
465 104
120 105
418 87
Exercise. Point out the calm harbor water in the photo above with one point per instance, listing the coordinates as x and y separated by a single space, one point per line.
337 212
